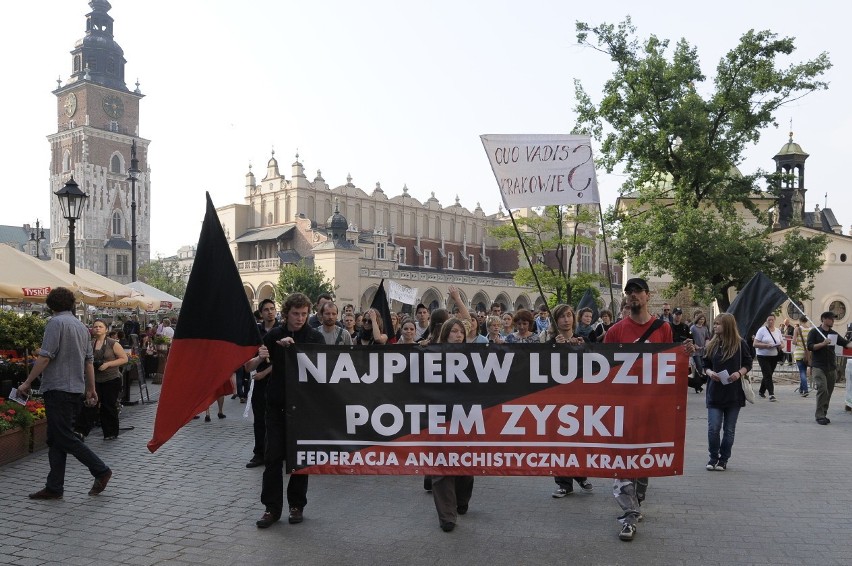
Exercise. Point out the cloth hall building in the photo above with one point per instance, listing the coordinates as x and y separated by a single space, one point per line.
359 238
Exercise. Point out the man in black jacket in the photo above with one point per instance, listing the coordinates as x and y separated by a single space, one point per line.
293 330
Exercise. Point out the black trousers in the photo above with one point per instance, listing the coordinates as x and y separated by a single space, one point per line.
272 493
106 412
258 407
767 368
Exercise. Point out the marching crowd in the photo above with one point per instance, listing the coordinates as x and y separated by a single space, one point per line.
720 360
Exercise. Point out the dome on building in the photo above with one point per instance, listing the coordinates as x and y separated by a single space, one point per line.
337 222
791 148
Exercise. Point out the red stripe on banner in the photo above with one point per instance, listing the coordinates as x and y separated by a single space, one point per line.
198 371
604 429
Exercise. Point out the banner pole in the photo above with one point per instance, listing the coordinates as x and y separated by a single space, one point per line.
526 255
606 257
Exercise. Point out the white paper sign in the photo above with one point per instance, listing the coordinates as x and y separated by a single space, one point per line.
403 294
537 169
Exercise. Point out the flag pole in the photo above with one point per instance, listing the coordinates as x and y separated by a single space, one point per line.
606 256
526 255
792 302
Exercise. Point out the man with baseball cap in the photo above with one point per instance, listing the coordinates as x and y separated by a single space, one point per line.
823 364
639 326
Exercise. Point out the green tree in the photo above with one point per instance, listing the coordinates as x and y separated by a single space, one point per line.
303 278
21 332
547 238
678 138
165 274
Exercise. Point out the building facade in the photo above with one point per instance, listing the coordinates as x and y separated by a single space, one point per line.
419 244
97 124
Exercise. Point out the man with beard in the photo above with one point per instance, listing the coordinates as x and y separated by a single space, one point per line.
639 326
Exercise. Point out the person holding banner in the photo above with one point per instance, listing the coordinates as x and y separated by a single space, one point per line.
821 342
451 493
639 326
727 359
566 324
293 329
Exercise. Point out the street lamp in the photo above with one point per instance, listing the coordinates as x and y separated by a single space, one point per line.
132 176
71 199
37 236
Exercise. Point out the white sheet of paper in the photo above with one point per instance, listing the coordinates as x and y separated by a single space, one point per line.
17 397
724 376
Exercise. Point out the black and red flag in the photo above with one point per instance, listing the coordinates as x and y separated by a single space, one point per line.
216 334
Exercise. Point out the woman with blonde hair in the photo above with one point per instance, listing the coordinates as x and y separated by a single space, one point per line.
727 359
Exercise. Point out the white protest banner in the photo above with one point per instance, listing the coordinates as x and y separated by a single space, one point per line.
401 293
538 169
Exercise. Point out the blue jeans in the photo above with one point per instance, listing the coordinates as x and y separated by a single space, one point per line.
722 421
61 408
803 376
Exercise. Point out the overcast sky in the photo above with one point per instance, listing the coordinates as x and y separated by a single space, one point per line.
389 91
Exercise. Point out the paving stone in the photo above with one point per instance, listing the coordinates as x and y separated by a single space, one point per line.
780 502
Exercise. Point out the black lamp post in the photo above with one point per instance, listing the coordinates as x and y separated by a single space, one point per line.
132 176
37 236
71 199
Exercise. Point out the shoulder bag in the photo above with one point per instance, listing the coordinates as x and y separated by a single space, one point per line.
746 381
780 354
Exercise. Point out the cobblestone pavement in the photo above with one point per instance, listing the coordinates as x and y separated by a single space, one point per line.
783 500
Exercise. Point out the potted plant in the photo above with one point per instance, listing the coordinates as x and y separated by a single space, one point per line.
15 423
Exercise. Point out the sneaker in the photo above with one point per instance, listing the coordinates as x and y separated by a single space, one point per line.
772 398
447 526
822 421
805 394
762 395
559 493
627 532
586 485
711 465
100 483
722 466
295 516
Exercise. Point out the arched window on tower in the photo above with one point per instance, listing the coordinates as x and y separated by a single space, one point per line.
116 223
66 161
268 218
115 164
